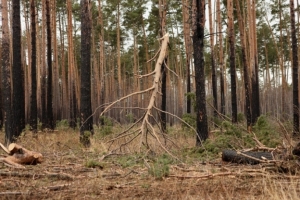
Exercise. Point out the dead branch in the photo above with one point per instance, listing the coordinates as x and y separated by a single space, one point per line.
121 99
205 176
61 176
57 187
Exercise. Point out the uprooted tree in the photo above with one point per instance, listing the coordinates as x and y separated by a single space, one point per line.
145 126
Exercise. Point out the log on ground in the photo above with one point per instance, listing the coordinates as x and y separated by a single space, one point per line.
251 157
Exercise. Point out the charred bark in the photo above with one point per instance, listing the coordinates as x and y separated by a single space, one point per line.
198 43
251 158
33 97
295 72
18 74
86 118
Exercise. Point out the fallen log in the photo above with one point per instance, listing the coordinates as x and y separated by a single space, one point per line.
249 157
19 156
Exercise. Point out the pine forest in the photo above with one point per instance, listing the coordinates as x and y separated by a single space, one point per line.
150 99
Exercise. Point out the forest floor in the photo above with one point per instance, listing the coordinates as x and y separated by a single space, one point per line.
70 171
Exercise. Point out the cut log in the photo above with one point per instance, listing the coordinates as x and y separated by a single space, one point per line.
19 156
251 157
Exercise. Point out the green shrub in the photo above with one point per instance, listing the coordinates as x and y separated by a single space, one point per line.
189 119
93 164
266 132
130 117
107 126
160 168
62 124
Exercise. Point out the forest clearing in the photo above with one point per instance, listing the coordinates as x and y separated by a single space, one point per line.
70 171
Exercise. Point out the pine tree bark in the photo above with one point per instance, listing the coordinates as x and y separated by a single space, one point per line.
295 72
17 73
6 78
188 51
213 66
33 96
198 43
101 60
49 110
86 118
162 15
43 68
231 39
245 65
71 70
221 63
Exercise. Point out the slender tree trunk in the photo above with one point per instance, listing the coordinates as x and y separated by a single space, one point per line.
231 38
57 108
49 110
6 78
198 43
43 68
188 47
86 118
295 72
119 58
17 73
71 69
221 63
162 15
64 90
33 97
101 60
245 65
213 67
255 81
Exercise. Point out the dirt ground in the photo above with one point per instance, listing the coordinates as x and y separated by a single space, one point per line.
65 174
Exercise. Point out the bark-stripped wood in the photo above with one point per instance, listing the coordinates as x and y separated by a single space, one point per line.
19 156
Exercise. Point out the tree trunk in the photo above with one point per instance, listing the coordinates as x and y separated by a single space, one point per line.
212 55
188 47
162 14
101 60
231 39
33 97
295 72
6 78
71 70
198 43
49 114
86 118
17 73
245 65
221 63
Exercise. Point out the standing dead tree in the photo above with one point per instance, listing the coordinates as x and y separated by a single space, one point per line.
144 126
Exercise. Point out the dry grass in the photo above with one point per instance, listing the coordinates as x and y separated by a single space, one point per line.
72 172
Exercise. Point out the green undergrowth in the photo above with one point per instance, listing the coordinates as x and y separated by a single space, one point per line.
235 136
159 167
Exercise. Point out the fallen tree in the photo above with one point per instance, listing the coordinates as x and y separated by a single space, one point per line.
19 156
246 157
144 127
